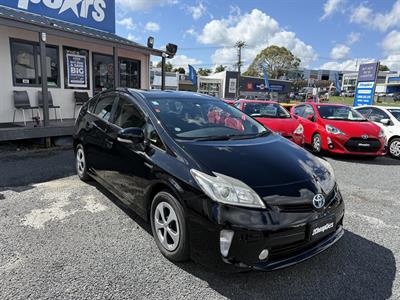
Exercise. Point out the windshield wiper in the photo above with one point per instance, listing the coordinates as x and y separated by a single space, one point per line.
231 137
214 138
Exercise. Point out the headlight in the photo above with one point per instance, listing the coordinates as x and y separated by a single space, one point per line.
228 190
334 130
299 129
381 133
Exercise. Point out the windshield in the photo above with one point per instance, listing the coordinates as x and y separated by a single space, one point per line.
205 119
265 110
395 113
335 112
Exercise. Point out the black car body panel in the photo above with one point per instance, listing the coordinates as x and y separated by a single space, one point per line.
284 175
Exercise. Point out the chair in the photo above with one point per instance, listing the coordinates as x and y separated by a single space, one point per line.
21 102
51 104
80 99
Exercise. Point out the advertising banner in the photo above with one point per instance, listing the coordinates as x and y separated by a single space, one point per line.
366 81
76 71
232 85
98 14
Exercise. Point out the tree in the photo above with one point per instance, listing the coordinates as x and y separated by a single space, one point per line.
204 72
168 66
383 68
220 68
277 60
179 70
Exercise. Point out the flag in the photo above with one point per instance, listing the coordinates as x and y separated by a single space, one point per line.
192 75
337 84
266 81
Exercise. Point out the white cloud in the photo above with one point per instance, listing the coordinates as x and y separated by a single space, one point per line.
330 7
191 32
391 43
347 65
127 23
353 37
258 30
392 61
183 61
197 11
152 26
142 5
131 37
339 52
364 15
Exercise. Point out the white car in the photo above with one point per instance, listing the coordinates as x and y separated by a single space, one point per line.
388 118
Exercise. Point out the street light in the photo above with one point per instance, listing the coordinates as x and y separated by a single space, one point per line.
171 50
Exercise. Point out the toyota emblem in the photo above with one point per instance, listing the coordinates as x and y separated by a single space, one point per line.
365 136
319 201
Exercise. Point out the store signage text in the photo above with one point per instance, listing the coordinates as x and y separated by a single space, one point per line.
99 14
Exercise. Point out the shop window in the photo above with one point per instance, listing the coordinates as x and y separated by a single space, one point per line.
76 68
129 71
26 64
103 72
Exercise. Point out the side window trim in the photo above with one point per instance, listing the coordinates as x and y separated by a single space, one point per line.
133 100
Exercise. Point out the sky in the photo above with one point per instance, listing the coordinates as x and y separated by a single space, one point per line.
324 34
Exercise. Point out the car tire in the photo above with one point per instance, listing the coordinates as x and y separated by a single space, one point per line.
169 227
80 163
394 147
316 143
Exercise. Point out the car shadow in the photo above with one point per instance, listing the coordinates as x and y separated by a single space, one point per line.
353 268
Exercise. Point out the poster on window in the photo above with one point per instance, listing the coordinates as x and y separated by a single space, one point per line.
76 71
232 85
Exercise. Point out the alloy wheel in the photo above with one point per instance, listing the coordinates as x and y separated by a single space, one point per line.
395 148
80 161
167 226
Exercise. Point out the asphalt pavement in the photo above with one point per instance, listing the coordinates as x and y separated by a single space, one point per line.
61 238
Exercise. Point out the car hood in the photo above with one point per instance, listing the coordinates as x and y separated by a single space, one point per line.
287 125
260 162
355 128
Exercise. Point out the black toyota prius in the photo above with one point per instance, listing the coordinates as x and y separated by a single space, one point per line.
216 186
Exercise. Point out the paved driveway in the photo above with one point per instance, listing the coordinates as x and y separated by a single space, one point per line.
64 239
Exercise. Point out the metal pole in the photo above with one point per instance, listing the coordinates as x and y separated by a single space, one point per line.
239 45
116 68
43 68
163 72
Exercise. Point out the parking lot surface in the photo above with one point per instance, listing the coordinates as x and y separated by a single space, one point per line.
63 239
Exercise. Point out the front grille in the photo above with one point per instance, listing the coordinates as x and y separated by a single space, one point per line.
331 200
362 145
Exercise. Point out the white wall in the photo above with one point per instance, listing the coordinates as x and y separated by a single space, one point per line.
62 97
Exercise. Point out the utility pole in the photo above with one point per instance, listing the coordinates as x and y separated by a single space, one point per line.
239 45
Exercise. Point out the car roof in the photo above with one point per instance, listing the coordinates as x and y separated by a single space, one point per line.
258 101
158 94
377 106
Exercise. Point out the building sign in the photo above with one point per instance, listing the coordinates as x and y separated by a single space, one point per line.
76 71
232 85
394 80
98 14
366 81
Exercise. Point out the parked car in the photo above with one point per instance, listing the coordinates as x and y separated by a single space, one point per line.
348 94
215 184
388 118
396 97
339 129
229 101
272 115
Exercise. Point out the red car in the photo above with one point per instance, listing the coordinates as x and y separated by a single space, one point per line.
339 129
230 102
272 115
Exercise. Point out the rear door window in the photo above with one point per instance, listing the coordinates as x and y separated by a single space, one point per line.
299 110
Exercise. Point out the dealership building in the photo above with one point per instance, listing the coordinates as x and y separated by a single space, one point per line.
225 85
82 54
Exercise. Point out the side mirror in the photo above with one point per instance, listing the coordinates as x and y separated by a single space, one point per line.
131 135
310 118
386 122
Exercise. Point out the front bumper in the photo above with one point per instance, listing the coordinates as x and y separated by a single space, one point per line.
284 234
350 145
